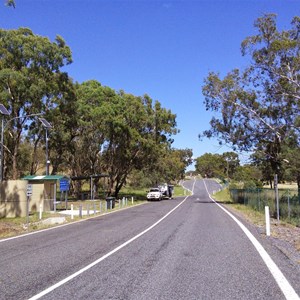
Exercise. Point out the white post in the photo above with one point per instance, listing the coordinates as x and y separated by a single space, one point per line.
276 195
40 211
132 200
267 213
72 212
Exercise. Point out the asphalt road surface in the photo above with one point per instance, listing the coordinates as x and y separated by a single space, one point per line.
183 248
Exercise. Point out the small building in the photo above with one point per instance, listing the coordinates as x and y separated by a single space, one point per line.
44 189
37 190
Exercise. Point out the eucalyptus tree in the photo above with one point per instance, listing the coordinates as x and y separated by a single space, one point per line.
137 130
259 107
210 165
231 163
31 80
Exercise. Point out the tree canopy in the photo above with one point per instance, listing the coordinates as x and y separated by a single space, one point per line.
258 107
31 82
95 129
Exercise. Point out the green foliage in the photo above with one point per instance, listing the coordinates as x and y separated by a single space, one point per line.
118 133
95 129
259 107
217 165
30 82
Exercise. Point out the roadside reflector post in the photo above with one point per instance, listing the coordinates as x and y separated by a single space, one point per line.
72 212
41 212
267 213
80 210
132 200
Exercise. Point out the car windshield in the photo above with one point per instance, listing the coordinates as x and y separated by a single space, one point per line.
154 190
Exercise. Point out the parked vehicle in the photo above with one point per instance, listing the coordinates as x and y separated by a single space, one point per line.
162 191
166 190
154 194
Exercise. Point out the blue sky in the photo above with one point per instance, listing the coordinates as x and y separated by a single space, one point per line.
161 48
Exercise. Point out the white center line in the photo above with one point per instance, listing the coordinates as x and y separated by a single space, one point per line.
60 283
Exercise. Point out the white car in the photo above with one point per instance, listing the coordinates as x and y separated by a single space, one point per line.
154 194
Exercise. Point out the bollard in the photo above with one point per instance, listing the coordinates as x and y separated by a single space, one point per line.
100 206
110 204
41 212
88 210
80 210
72 212
94 208
131 200
267 213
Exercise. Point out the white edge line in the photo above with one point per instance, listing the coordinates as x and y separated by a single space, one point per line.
60 283
282 282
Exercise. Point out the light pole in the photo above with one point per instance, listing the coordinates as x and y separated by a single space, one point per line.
4 112
47 125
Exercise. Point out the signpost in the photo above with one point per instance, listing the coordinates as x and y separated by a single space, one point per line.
64 186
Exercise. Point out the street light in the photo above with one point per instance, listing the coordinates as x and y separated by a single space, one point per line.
4 112
47 125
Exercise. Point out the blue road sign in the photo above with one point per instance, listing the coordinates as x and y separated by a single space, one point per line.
64 185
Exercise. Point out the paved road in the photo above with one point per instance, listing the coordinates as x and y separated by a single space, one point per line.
185 248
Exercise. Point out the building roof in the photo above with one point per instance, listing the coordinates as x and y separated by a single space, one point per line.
44 177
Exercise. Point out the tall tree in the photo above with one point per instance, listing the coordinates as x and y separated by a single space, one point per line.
118 133
210 165
232 163
30 79
259 106
136 134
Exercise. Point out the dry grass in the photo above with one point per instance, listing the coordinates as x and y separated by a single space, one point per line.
287 186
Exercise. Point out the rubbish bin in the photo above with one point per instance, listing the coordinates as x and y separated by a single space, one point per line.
110 202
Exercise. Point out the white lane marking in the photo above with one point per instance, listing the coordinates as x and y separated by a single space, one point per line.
282 282
60 283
